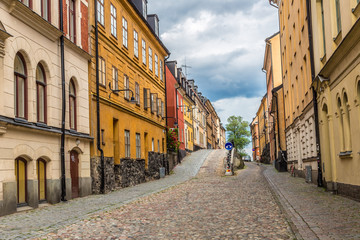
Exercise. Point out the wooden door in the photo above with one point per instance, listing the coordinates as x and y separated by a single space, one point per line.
74 171
21 181
41 171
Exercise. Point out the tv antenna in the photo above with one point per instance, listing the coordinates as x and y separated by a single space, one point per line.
186 67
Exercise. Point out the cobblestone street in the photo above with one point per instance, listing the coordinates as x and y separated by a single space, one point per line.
207 207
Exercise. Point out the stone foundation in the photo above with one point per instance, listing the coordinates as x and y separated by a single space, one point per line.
129 172
96 174
351 191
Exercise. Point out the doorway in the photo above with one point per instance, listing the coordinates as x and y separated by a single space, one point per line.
41 172
21 181
74 172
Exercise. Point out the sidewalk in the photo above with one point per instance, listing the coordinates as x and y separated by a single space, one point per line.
312 212
38 222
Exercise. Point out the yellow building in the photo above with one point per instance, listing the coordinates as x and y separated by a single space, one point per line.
336 35
187 107
300 122
262 116
132 88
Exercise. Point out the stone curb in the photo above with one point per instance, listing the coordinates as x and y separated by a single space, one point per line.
298 225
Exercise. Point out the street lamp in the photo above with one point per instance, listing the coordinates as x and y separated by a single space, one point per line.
132 99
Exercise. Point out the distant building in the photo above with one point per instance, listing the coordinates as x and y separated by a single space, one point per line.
254 128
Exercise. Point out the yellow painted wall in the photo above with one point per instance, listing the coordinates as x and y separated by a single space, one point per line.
132 117
188 118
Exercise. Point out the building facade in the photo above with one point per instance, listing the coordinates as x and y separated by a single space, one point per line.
132 123
336 35
254 128
31 72
298 96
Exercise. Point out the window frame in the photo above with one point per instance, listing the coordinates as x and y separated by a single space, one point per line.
43 84
138 146
24 78
30 3
125 32
48 10
150 59
338 16
115 78
100 12
102 70
161 71
127 144
146 98
126 86
74 112
143 46
156 65
137 93
113 20
136 44
72 24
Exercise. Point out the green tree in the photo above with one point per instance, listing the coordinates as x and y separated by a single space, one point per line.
238 133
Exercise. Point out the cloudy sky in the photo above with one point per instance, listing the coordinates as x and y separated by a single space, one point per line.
223 42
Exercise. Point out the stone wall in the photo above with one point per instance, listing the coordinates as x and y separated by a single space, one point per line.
96 174
156 161
172 160
129 172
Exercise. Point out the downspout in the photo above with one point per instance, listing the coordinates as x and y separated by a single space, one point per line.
316 113
62 147
166 116
98 140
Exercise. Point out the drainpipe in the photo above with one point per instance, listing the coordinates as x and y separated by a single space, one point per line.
98 140
316 114
166 119
62 147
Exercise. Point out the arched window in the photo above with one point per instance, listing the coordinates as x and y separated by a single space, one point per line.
41 173
41 94
341 122
20 87
21 181
346 122
72 104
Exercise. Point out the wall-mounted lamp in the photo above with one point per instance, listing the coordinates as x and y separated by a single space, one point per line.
132 99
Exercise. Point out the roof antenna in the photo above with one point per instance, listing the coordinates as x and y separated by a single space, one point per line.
186 67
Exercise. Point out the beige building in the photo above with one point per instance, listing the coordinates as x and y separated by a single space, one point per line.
31 104
336 31
298 96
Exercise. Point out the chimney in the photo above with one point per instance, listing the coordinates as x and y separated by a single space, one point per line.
153 21
141 6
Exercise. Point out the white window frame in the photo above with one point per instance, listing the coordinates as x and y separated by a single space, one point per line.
113 17
136 44
100 13
127 144
156 65
115 76
143 46
137 93
161 71
102 71
126 86
150 60
138 145
125 32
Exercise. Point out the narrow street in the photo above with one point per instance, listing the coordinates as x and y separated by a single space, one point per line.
208 206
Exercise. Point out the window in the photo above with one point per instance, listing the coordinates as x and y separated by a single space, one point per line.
152 145
137 93
138 146
162 109
41 94
156 65
146 98
338 16
143 45
126 86
127 144
153 102
45 9
113 20
20 87
144 8
150 60
102 72
27 3
158 107
115 78
100 12
72 21
72 104
158 146
161 71
136 44
125 32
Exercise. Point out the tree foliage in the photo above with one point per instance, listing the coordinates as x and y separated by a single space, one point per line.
238 133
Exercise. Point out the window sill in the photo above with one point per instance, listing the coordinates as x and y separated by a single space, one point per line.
338 38
345 155
356 10
20 120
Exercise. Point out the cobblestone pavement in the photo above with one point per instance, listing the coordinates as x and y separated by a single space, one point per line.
38 222
208 206
315 214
